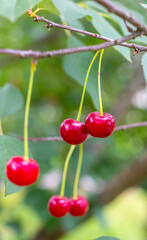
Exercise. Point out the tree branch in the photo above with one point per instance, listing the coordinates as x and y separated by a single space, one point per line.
51 24
129 177
65 51
59 139
125 15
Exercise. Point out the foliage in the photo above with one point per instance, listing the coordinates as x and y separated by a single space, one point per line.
56 96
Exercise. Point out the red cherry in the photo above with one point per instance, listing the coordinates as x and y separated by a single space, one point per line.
78 207
21 172
100 126
58 206
73 132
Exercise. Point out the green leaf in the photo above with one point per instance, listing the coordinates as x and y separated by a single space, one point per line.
48 5
144 65
69 10
144 5
12 9
107 30
76 67
11 100
9 147
107 238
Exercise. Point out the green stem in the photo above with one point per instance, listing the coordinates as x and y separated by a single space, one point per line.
1 130
73 146
85 84
99 83
75 189
26 149
65 169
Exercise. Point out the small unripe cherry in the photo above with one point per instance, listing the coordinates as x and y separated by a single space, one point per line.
73 132
58 206
79 206
100 126
22 172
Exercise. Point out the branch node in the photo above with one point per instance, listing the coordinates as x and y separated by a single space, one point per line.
35 19
49 25
130 29
137 50
95 35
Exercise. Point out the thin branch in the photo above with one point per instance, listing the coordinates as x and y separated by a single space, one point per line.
59 139
125 15
130 29
43 139
65 51
133 125
51 24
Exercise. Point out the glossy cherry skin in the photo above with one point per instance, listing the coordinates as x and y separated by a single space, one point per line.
22 172
78 207
73 132
58 206
100 126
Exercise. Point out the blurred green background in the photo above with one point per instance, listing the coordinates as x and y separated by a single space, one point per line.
56 96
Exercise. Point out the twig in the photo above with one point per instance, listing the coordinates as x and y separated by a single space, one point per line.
128 27
51 24
59 139
65 51
125 15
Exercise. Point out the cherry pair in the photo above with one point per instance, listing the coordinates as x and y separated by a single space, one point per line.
22 172
75 132
60 206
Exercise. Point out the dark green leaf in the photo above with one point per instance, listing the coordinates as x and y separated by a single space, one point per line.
11 100
13 9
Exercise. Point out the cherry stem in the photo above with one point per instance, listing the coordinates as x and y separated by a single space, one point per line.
99 83
1 130
26 118
85 84
73 146
65 169
76 182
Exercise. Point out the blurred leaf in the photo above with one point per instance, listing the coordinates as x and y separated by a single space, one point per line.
76 67
48 5
9 147
102 25
69 10
125 52
13 9
95 6
144 65
106 29
107 238
144 5
11 100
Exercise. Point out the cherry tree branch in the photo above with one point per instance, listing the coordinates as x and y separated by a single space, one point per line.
65 51
123 14
59 139
51 24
